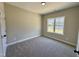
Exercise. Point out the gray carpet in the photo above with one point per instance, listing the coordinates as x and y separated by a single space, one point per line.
40 47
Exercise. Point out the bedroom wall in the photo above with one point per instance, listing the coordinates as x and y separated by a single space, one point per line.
70 27
21 24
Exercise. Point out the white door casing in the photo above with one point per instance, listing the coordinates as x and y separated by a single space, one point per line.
0 43
77 47
3 35
3 45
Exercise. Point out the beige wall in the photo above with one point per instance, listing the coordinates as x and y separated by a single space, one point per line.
21 24
70 27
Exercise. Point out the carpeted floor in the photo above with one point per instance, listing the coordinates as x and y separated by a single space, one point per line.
40 47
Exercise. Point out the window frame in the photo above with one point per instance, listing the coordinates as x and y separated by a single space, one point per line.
55 25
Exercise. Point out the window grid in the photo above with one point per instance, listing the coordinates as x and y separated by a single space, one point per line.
54 24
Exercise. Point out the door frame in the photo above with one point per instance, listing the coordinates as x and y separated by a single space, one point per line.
3 39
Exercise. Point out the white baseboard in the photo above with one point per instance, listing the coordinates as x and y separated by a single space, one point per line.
72 44
12 43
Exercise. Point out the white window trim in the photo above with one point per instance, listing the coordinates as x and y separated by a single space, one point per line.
54 25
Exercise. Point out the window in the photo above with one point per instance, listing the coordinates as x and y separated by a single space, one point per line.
51 25
55 25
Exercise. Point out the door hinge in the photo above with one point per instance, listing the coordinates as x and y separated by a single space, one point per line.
75 51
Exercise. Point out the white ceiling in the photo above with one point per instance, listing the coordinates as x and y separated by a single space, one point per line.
49 7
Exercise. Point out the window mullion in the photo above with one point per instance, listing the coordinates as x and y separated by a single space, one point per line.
54 24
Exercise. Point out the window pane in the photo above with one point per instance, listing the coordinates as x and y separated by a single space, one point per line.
59 25
50 25
59 29
59 21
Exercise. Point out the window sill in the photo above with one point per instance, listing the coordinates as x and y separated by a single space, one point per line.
56 33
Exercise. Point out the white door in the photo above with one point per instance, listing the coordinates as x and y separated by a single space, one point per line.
2 36
0 43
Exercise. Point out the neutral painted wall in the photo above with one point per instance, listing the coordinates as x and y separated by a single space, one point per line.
21 24
70 27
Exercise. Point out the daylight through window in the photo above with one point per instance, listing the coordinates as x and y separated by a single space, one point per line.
55 25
